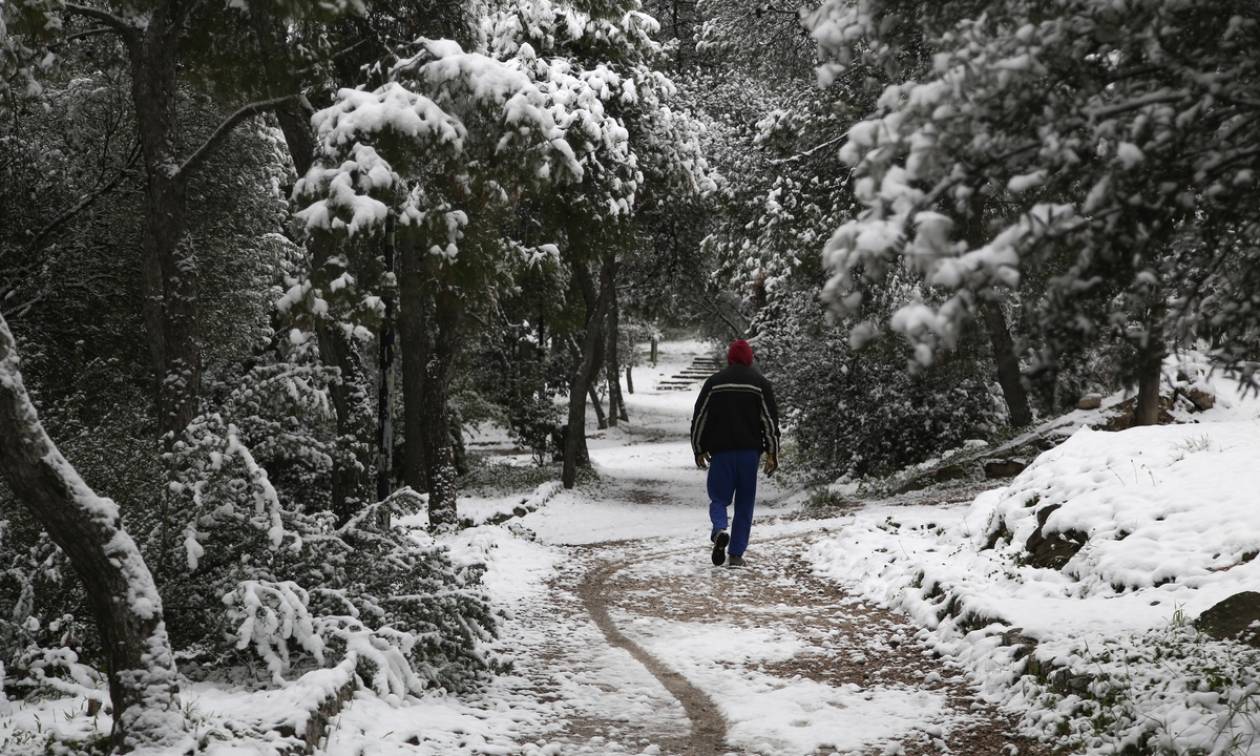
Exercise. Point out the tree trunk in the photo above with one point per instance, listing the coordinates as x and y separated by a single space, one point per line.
414 343
612 365
428 330
350 405
629 380
601 420
441 471
587 368
385 370
1150 373
1003 347
170 281
124 600
1009 377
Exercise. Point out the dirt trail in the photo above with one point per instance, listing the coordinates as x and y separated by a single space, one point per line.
708 726
849 645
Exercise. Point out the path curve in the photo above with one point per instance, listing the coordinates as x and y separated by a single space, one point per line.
708 726
856 647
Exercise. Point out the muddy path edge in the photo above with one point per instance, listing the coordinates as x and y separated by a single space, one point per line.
708 726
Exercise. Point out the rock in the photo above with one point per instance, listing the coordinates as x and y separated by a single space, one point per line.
1055 550
1089 402
1235 618
997 535
1022 644
1003 468
1202 399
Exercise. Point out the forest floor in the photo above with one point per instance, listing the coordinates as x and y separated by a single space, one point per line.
626 639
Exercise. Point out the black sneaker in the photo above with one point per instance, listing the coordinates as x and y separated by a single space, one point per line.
737 560
719 547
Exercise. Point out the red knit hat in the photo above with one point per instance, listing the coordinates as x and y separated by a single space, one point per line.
739 353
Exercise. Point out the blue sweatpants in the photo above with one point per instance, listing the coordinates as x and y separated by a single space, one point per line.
733 473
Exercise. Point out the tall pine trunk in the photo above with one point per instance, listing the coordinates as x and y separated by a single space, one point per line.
1008 372
1010 379
612 362
170 283
413 342
587 368
119 587
385 375
1150 366
428 330
440 469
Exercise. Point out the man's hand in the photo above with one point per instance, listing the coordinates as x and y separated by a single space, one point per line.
702 460
772 463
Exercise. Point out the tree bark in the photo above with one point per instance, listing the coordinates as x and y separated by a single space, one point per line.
428 328
629 380
1008 373
601 419
120 589
440 468
169 268
413 342
587 368
612 363
1150 373
385 370
1005 360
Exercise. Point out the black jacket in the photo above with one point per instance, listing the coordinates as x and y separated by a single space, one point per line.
735 410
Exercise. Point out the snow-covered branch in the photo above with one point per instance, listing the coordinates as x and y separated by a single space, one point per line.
117 581
199 156
127 30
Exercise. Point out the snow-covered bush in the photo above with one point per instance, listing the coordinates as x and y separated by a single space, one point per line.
44 645
253 574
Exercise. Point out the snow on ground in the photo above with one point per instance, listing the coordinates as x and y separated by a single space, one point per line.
562 672
769 714
649 485
1170 526
568 691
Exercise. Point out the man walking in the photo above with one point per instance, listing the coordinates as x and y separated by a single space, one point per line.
734 421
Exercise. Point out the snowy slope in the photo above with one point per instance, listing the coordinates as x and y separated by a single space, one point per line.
1168 524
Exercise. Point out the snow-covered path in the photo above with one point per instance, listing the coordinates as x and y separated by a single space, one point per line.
625 639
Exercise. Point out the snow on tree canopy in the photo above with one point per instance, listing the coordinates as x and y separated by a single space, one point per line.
391 107
348 193
999 113
386 142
